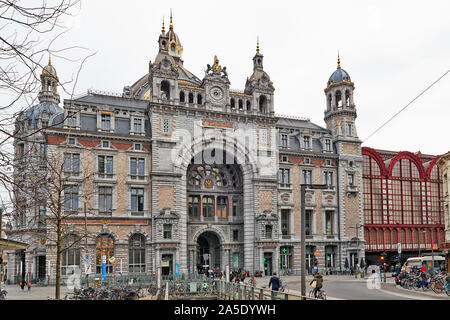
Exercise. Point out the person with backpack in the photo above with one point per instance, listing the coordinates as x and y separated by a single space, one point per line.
317 283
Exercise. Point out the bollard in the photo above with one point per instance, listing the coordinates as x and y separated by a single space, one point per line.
384 277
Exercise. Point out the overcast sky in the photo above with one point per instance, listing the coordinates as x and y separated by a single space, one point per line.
392 50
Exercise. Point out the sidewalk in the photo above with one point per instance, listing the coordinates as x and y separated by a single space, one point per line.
36 293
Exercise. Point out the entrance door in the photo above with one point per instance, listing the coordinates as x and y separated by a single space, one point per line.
166 264
208 252
41 267
267 263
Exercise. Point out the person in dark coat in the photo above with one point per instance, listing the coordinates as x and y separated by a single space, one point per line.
275 282
319 282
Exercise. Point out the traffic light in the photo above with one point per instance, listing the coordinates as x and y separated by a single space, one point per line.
382 258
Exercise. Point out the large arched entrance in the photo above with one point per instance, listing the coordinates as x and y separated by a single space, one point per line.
208 251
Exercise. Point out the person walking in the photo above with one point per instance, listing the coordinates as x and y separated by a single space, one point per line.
29 286
275 282
318 279
22 285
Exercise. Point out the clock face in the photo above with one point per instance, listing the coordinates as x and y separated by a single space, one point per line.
216 93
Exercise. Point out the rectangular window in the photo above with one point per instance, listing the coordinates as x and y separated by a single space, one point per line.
72 163
194 206
329 215
105 144
328 178
284 176
137 168
137 200
208 207
268 232
349 129
105 166
235 235
106 121
308 222
307 142
235 208
285 222
167 231
20 150
306 176
105 199
42 213
284 140
137 125
327 145
42 151
166 125
222 207
71 198
71 119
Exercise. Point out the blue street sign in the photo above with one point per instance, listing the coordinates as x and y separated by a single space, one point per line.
86 257
177 269
104 267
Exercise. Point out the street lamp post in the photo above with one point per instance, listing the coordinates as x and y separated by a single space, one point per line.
303 227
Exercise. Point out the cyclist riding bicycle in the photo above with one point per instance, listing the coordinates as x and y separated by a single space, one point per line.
317 283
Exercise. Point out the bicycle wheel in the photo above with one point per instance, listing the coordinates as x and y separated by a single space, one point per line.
311 293
324 296
447 290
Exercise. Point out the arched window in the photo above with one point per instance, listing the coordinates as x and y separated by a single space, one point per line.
347 98
329 102
249 106
70 256
233 103
165 90
136 253
338 99
182 97
262 104
104 247
199 99
241 104
172 48
191 97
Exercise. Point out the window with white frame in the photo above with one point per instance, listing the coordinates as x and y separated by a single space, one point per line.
284 140
137 168
71 198
72 163
284 176
329 222
71 118
138 125
328 145
328 178
106 121
307 142
105 166
349 129
137 200
306 177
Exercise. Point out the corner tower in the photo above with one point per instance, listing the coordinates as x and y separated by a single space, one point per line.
49 84
340 116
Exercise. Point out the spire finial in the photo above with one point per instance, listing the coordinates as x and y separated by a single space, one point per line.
339 61
163 30
257 44
171 24
49 60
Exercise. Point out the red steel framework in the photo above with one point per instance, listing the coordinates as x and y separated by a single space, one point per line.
409 192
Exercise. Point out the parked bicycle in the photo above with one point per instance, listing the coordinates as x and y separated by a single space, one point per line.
321 294
3 294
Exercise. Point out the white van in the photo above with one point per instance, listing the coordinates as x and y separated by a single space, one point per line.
426 261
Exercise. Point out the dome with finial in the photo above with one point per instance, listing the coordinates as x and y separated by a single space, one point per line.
339 75
49 70
175 47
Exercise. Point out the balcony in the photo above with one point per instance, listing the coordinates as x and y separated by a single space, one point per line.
352 189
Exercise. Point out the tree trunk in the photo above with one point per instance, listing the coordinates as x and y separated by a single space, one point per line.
58 260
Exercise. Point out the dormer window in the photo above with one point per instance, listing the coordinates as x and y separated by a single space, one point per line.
284 140
327 145
137 125
71 119
106 121
307 142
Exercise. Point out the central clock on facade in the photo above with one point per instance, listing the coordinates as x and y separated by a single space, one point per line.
216 93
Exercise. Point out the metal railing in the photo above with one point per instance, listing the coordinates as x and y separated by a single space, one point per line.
240 291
